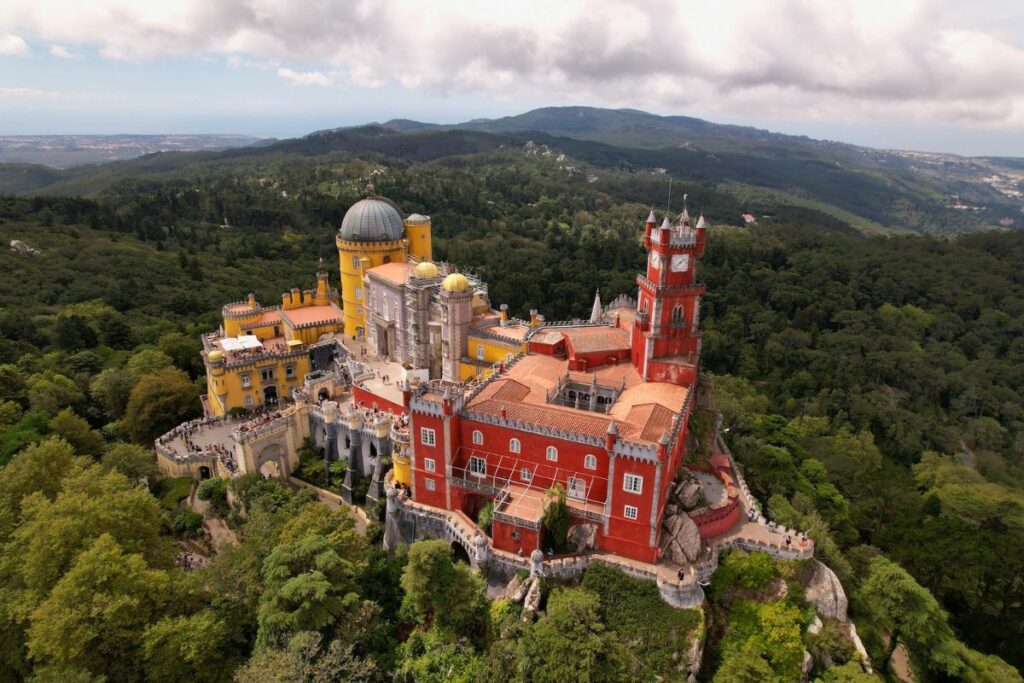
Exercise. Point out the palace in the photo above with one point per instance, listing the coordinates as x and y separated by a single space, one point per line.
471 422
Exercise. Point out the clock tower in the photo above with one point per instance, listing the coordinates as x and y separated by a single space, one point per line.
665 335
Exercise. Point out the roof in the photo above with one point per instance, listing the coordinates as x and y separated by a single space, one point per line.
312 315
271 317
394 272
596 339
374 219
642 412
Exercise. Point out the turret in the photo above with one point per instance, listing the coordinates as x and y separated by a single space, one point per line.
323 290
701 229
651 220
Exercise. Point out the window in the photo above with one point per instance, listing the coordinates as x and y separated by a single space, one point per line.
632 483
359 292
267 374
478 467
277 331
630 512
590 461
677 315
359 310
430 484
429 465
526 474
246 381
514 446
386 310
355 262
479 351
551 454
428 437
248 401
576 488
289 371
478 437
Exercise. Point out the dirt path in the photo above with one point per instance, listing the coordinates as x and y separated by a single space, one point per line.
900 665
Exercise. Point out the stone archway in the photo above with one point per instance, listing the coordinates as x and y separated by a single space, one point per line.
271 461
270 395
460 554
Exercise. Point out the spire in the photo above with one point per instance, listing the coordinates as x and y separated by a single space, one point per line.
684 217
650 218
700 222
665 225
596 312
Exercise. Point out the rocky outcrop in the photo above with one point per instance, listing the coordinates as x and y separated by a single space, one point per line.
805 670
826 593
516 589
20 247
680 539
582 536
686 493
532 602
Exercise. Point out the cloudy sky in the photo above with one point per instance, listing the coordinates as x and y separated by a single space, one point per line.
918 74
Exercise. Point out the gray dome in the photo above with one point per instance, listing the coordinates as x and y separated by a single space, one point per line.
374 219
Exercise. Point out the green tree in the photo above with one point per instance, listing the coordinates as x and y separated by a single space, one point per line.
76 432
158 402
196 647
846 673
442 592
183 350
569 643
556 518
111 388
38 469
147 362
309 586
95 617
50 392
135 462
215 492
912 616
306 657
12 384
73 332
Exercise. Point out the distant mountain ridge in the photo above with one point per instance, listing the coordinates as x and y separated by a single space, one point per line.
868 189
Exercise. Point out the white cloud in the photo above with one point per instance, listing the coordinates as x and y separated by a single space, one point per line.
62 52
13 46
844 60
304 77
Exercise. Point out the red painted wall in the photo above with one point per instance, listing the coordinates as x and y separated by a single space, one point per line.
718 521
372 400
421 451
501 536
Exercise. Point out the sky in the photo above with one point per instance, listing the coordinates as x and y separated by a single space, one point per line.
931 75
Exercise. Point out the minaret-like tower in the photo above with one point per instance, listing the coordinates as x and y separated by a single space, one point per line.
666 337
456 315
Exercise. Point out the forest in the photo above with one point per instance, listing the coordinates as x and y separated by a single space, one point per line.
871 388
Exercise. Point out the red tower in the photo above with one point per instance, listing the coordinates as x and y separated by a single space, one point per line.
666 337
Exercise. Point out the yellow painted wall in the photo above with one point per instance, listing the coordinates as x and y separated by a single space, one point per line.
224 385
370 254
419 236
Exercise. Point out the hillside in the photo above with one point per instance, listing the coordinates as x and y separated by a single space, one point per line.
870 190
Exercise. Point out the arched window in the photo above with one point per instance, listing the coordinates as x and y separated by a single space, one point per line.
514 446
478 437
677 315
387 258
552 454
590 461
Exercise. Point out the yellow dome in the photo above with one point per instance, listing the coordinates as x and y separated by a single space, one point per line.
456 282
425 270
215 356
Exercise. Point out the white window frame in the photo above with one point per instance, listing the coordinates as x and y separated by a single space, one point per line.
289 372
479 351
526 474
428 437
477 466
633 483
429 484
631 512
246 381
248 400
429 465
359 293
514 446
551 453
590 461
478 437
576 487
356 262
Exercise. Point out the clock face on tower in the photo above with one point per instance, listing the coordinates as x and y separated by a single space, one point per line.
680 262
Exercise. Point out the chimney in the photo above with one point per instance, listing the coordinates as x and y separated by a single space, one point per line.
504 314
533 317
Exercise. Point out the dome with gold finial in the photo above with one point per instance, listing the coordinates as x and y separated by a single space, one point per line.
456 282
215 356
425 271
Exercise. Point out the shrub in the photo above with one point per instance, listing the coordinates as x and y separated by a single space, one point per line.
215 492
188 523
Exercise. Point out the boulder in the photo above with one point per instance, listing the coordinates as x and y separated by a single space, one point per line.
805 670
826 593
516 589
532 601
582 536
680 539
691 495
